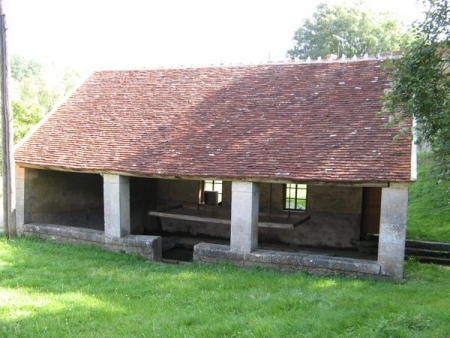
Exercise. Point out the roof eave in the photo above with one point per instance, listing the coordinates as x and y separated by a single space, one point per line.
315 181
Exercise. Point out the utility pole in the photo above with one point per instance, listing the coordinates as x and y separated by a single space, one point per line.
9 195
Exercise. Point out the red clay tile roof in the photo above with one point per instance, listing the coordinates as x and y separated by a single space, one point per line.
292 122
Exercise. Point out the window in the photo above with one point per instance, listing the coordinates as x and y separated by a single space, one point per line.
211 185
295 196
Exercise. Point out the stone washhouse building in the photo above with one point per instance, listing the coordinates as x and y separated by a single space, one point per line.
280 165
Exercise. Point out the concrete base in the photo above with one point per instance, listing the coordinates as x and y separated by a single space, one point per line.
288 261
148 247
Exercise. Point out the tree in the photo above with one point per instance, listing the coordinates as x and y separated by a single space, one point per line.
420 86
36 90
346 30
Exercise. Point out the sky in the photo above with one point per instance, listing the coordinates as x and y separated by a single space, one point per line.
111 34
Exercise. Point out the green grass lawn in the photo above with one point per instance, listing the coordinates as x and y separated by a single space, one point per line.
51 290
429 204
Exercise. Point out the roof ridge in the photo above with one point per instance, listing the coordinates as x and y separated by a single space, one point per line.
330 58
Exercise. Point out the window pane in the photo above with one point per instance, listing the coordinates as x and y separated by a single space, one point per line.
208 185
301 205
301 191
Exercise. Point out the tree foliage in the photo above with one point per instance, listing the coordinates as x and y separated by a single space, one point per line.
421 83
346 30
24 118
36 88
22 68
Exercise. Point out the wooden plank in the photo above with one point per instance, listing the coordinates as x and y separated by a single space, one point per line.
276 225
226 221
190 218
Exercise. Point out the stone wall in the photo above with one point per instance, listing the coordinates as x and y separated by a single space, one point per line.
65 198
288 261
335 217
143 197
175 192
148 247
75 199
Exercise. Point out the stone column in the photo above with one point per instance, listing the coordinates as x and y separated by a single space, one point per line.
391 247
20 199
116 204
244 217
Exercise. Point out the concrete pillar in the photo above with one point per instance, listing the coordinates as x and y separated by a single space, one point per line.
116 203
20 199
391 247
244 217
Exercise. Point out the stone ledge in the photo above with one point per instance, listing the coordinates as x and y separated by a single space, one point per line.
148 247
288 261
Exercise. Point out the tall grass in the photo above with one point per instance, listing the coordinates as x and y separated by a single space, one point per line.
51 290
429 204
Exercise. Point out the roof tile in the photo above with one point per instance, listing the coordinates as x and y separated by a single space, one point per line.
292 122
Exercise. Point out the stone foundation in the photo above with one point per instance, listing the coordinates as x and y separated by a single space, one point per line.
288 261
148 247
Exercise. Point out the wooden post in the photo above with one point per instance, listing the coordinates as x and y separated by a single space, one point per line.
9 198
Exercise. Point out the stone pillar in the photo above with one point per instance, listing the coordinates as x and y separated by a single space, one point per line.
244 217
116 204
20 199
391 247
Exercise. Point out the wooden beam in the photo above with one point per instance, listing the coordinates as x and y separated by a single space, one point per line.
195 178
9 196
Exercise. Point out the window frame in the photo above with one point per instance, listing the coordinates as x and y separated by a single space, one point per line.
213 183
298 207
